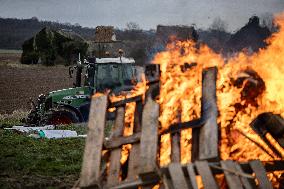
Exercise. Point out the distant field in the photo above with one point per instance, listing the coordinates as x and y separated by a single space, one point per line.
10 56
19 83
8 51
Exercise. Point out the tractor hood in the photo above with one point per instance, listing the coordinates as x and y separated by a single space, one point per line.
72 96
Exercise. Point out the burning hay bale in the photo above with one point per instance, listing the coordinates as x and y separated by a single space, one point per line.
269 122
251 84
270 127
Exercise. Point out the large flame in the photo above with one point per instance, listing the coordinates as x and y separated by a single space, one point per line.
181 67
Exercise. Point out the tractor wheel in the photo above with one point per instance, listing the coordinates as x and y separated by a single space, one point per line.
62 116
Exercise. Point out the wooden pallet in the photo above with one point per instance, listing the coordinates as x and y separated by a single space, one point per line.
177 177
100 172
142 165
101 162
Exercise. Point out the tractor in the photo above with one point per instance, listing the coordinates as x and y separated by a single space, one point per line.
66 106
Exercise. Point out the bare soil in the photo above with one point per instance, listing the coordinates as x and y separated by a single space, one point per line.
19 83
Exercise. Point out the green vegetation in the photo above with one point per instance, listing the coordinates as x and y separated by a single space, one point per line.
27 162
49 47
9 120
39 163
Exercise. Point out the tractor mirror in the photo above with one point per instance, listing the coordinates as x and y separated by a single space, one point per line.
152 73
71 71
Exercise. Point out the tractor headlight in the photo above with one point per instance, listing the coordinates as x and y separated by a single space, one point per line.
48 103
41 98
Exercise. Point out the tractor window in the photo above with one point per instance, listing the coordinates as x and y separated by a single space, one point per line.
115 76
114 71
107 77
127 74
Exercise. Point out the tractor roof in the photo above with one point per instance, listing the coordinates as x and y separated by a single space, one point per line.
105 34
119 60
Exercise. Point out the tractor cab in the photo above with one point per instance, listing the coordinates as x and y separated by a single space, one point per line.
115 74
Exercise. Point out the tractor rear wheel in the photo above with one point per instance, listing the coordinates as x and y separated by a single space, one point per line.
62 116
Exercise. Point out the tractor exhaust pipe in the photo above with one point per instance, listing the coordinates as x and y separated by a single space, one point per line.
78 76
79 69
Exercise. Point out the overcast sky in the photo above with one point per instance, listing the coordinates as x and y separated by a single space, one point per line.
147 13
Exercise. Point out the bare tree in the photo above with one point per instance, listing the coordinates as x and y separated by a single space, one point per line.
218 24
132 26
34 18
77 25
266 20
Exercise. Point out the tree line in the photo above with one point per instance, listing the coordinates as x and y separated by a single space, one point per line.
137 43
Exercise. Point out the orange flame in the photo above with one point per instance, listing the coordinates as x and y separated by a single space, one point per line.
181 66
139 89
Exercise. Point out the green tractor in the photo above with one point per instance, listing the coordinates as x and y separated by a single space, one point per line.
72 105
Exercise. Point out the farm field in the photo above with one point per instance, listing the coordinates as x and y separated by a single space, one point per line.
19 82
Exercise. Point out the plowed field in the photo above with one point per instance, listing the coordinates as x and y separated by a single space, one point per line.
19 83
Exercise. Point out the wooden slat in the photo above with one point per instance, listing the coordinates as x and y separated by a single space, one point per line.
176 127
138 116
195 144
208 137
175 143
119 141
167 182
204 171
177 176
125 101
149 139
233 180
133 184
270 166
260 174
175 147
134 156
94 142
247 184
192 176
115 156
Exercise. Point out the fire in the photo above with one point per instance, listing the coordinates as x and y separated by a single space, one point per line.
181 67
180 93
128 130
180 90
139 89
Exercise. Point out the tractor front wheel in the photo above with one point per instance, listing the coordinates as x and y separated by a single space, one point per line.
62 116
